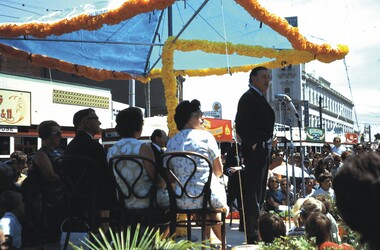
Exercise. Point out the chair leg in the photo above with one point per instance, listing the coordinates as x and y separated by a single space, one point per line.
188 224
67 238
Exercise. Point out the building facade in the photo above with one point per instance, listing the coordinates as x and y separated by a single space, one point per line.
318 105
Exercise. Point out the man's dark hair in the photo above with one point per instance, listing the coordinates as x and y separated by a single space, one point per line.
255 71
78 116
45 128
156 133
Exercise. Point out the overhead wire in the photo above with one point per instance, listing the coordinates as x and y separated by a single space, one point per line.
352 96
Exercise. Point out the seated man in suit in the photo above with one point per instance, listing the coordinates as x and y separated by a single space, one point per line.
159 140
87 125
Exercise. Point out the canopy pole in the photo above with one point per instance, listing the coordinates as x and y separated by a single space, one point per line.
132 93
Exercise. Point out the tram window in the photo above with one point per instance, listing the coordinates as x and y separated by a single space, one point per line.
5 145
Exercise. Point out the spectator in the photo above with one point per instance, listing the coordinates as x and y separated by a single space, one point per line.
358 196
270 226
334 233
345 154
326 150
309 186
11 209
338 148
274 197
318 225
193 137
359 148
42 189
325 182
286 192
306 208
18 162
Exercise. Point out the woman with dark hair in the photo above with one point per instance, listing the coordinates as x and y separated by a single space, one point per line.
192 136
129 126
42 189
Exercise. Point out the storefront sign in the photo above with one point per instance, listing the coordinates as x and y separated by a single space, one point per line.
6 129
220 129
14 108
315 135
352 138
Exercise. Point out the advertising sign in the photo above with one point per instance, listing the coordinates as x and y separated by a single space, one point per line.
315 135
14 108
352 138
220 129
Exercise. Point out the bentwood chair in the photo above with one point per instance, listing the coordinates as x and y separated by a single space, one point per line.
80 179
149 213
195 217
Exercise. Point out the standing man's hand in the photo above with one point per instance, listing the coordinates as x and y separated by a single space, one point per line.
254 147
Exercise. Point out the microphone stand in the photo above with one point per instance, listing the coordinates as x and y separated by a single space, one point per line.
283 103
302 158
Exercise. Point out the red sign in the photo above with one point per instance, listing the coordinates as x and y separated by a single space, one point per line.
220 129
352 138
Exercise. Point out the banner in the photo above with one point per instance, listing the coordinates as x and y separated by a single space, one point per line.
220 129
352 138
315 135
14 108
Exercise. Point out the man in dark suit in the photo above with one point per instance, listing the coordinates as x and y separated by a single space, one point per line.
159 140
87 125
255 124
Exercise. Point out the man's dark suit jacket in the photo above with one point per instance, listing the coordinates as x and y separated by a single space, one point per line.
83 144
254 124
158 159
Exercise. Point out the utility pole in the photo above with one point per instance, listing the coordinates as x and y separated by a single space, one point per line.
320 112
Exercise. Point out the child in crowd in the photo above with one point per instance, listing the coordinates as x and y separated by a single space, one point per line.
270 226
318 225
11 210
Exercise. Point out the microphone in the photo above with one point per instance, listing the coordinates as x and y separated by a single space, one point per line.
288 101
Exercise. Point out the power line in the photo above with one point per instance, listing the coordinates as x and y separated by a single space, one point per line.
352 97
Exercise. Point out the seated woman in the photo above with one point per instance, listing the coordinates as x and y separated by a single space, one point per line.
42 189
129 126
192 136
273 197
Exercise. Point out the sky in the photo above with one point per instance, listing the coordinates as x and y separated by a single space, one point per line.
351 22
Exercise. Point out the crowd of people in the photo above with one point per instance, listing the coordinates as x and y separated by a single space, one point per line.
34 203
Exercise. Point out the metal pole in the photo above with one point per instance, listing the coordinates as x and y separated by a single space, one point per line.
320 112
132 93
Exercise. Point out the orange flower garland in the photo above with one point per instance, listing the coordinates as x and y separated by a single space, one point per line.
128 10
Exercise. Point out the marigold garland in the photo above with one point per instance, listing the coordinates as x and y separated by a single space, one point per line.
128 10
303 50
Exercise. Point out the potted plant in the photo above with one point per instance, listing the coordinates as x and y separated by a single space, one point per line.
149 239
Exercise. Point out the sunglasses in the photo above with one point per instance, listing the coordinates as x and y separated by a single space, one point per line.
273 181
57 133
